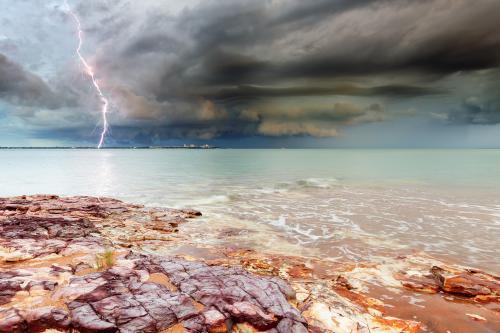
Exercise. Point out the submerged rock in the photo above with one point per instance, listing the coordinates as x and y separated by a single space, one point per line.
455 280
468 282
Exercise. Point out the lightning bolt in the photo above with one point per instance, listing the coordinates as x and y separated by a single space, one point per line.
90 72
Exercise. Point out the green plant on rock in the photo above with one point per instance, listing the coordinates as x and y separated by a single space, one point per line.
243 328
105 260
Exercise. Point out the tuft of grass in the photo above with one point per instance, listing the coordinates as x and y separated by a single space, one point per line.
105 260
242 328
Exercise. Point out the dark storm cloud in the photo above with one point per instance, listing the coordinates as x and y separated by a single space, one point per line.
474 111
232 44
308 12
278 68
480 104
477 111
465 39
251 92
21 87
241 55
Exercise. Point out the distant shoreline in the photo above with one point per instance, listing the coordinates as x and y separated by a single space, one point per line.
247 148
147 147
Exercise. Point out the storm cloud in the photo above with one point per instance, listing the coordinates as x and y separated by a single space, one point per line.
216 69
21 87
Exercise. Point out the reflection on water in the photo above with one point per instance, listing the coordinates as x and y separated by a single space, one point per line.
352 204
105 177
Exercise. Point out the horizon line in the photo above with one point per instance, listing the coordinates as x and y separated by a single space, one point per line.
229 147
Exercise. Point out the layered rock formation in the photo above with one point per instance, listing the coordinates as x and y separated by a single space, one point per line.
78 264
60 271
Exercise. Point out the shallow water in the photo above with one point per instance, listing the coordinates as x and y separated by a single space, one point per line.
346 204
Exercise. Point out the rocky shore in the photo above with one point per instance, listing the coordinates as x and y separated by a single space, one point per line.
85 264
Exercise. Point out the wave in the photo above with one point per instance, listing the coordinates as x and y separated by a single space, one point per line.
319 183
296 230
206 201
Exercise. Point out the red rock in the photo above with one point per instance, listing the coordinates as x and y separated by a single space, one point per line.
487 298
33 320
8 288
300 271
421 283
121 298
235 293
85 319
12 322
214 318
38 320
290 326
468 283
58 237
190 213
250 313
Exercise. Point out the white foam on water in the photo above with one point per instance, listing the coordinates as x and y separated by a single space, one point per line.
296 231
323 183
346 221
414 301
210 200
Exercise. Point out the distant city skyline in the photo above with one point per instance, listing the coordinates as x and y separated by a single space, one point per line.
280 73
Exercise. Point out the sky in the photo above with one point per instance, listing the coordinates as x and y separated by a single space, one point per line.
253 73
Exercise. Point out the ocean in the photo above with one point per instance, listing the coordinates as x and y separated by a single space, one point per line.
346 204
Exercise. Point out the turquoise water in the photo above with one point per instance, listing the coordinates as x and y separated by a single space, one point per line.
109 171
330 203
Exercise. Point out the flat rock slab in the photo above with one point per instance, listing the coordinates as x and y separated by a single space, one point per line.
200 297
